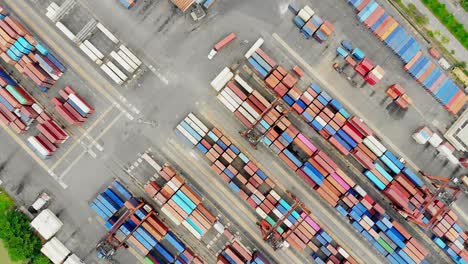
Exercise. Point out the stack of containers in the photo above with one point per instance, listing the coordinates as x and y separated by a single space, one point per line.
180 202
235 252
51 135
31 58
375 75
319 170
399 96
419 66
383 168
73 108
142 231
311 24
251 184
128 3
261 62
17 108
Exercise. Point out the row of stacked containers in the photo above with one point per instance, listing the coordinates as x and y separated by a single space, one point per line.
243 176
418 65
180 202
19 48
145 232
324 176
235 253
311 24
18 110
349 134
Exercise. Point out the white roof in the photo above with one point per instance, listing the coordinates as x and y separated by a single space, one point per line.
46 224
55 251
73 259
435 140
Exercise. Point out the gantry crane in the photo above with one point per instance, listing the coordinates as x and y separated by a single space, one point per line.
270 233
443 186
110 244
249 133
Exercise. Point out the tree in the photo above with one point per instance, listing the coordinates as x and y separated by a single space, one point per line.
40 259
19 240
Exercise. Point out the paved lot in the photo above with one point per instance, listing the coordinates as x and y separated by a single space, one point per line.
176 48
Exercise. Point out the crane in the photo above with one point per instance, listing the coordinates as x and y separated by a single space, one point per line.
269 232
443 185
249 132
110 244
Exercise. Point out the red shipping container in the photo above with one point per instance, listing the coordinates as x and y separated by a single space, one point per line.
365 160
338 146
12 33
16 26
52 126
357 123
9 98
48 134
267 58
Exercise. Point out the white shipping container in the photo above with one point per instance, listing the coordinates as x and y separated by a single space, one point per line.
124 64
186 134
37 108
231 100
275 195
65 31
277 213
243 83
251 111
111 74
226 103
79 103
38 146
73 259
320 121
246 115
220 80
47 224
304 15
151 162
308 96
198 122
372 147
191 229
90 54
254 47
107 33
288 223
343 252
50 14
127 59
195 127
309 10
261 213
93 49
233 95
117 71
359 190
55 251
170 216
435 140
377 143
54 6
130 55
172 185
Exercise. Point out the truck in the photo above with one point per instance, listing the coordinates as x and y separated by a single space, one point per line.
221 44
40 202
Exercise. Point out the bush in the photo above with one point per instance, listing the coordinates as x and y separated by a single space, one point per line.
449 21
40 259
21 243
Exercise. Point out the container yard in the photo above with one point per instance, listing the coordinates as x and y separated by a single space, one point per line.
232 132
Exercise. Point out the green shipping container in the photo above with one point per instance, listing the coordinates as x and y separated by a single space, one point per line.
14 92
385 245
148 261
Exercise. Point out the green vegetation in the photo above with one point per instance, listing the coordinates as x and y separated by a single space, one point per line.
17 237
449 21
418 17
464 4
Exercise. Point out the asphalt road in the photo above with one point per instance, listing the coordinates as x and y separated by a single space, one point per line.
176 48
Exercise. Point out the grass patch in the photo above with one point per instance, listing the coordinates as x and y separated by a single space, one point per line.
448 20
